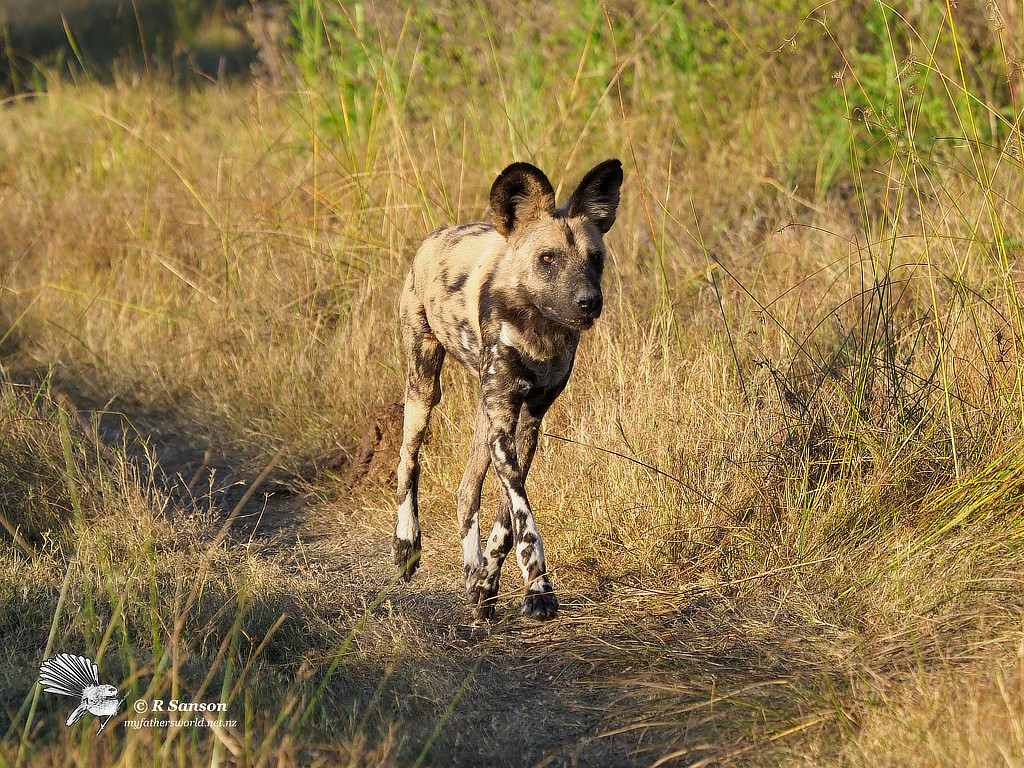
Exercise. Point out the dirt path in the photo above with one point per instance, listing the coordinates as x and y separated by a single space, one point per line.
614 681
624 676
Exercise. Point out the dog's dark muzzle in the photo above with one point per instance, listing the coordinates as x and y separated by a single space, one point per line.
589 305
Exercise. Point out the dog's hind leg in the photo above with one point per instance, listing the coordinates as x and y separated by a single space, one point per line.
424 356
468 501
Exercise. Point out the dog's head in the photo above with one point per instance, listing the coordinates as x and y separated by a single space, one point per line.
557 254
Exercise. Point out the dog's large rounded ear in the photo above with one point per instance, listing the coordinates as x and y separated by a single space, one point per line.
519 195
597 196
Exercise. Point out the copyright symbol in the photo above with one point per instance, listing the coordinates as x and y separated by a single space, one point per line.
140 706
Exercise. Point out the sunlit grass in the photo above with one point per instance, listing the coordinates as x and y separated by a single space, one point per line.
780 495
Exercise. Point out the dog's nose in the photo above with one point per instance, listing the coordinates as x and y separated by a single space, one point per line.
590 304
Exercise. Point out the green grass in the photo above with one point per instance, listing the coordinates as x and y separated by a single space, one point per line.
780 495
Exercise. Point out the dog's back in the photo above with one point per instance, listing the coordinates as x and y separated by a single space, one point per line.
446 278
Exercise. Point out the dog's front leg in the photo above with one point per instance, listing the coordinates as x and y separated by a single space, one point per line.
503 409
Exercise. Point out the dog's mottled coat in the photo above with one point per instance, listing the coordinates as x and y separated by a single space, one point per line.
508 300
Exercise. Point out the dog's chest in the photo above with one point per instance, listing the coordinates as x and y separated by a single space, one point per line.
547 359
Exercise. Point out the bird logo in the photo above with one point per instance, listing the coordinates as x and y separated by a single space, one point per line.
78 676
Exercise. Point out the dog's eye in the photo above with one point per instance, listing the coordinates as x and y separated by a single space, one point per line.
548 257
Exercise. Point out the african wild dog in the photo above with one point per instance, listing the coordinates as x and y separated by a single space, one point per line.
508 300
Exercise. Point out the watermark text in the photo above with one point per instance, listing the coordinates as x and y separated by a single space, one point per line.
161 705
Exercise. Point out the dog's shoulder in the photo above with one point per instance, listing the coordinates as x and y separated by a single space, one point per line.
450 257
455 242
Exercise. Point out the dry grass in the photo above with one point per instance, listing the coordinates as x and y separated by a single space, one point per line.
780 496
